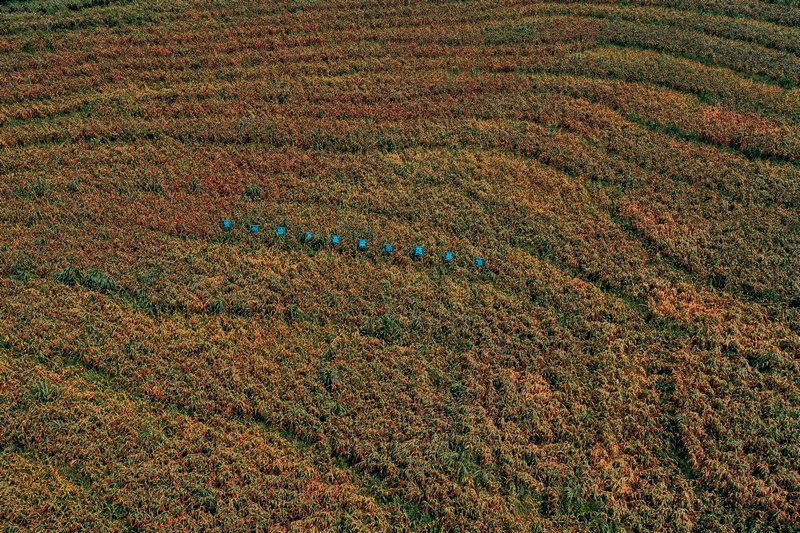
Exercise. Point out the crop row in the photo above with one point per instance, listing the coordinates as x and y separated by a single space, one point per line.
768 35
775 12
645 152
157 60
123 462
631 365
373 319
350 378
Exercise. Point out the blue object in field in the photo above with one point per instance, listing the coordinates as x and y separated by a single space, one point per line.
449 256
388 248
419 251
255 228
480 262
227 224
362 244
336 240
308 236
281 231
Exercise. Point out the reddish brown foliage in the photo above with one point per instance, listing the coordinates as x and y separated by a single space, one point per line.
628 361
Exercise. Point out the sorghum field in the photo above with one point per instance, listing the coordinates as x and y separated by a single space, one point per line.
627 360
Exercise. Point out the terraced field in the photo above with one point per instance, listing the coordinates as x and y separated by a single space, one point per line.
627 360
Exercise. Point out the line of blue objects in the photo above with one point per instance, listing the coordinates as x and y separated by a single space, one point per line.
362 245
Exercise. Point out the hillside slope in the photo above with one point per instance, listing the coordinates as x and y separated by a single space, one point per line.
626 361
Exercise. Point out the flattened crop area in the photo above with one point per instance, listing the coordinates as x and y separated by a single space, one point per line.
627 361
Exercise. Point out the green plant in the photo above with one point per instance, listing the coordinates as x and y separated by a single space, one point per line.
253 191
153 186
44 391
98 280
69 276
